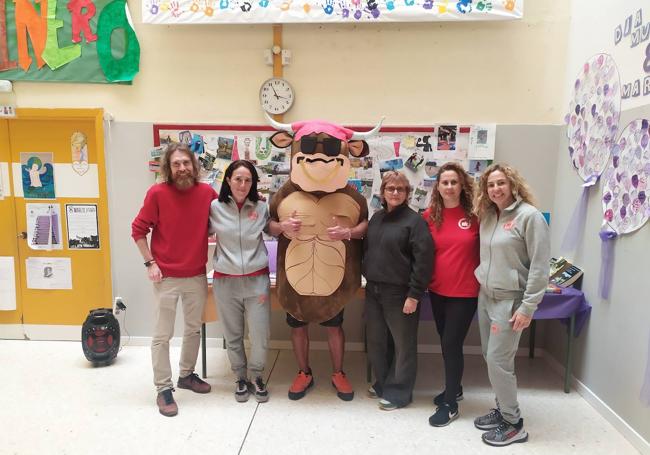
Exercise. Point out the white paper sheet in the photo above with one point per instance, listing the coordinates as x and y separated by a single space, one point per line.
5 187
481 142
49 273
7 284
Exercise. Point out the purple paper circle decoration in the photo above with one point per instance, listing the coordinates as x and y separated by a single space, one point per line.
594 112
625 182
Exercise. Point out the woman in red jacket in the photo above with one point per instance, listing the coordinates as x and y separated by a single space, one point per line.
453 289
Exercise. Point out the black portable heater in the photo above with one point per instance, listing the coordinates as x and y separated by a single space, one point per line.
100 336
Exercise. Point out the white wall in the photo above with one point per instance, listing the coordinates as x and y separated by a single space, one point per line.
503 72
612 350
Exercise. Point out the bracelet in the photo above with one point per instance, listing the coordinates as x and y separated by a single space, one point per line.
148 263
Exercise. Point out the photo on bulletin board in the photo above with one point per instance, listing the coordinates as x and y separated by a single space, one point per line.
38 175
225 148
44 226
82 225
447 137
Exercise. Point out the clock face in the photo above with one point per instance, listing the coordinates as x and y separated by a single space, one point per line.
276 96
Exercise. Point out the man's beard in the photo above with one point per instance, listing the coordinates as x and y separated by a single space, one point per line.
184 181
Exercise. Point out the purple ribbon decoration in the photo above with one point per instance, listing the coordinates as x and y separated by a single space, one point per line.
645 390
576 227
606 262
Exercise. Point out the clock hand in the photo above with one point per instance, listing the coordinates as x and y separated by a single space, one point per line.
274 92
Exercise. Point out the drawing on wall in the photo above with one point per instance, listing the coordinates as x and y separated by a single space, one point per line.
37 175
625 201
82 225
594 112
44 226
625 182
79 151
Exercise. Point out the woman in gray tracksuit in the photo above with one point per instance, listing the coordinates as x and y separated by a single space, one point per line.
513 274
241 275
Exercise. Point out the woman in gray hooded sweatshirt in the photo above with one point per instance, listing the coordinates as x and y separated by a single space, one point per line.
513 274
241 275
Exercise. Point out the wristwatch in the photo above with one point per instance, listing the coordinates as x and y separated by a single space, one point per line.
148 263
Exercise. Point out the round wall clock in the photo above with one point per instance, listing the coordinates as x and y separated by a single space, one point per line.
276 96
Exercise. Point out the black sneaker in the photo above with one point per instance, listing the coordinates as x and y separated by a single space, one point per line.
440 398
506 434
260 391
489 421
444 415
243 390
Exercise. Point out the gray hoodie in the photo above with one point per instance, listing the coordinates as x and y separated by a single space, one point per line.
240 247
515 253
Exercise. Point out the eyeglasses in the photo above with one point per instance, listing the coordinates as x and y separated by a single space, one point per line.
331 145
395 189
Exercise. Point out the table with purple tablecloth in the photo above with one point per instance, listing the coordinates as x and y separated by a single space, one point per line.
569 306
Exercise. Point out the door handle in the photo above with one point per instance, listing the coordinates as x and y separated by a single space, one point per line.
22 235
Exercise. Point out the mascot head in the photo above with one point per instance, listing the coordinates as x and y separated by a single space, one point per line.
320 152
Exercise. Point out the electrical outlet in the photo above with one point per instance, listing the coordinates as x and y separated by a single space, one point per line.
119 305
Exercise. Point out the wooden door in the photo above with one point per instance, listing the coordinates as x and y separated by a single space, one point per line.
54 243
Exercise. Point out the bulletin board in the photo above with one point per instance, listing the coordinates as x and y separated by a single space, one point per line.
416 151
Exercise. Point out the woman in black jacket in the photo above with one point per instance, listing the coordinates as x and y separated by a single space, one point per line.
398 258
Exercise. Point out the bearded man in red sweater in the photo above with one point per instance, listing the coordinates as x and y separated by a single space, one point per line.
176 212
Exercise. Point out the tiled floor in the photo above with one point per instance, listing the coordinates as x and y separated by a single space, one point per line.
52 401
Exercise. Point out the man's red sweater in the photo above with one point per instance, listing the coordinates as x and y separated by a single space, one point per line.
178 221
457 255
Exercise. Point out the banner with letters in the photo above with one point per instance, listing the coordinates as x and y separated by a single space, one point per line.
68 41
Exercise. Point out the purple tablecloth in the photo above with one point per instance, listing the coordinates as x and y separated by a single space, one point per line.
553 306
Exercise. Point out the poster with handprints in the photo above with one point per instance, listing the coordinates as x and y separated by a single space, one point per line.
625 181
594 112
37 175
326 11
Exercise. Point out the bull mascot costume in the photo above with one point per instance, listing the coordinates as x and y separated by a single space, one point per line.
321 220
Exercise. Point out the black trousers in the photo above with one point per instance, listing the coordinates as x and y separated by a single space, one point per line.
395 369
453 316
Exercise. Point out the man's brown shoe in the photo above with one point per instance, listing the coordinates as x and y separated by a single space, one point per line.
194 383
166 404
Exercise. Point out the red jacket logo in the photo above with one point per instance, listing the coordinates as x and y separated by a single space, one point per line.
509 225
464 223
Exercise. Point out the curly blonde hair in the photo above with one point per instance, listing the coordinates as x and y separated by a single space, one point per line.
466 193
518 186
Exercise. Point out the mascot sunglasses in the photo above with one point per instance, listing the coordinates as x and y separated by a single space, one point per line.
331 145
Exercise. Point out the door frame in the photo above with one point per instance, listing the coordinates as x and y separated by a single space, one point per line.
12 326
